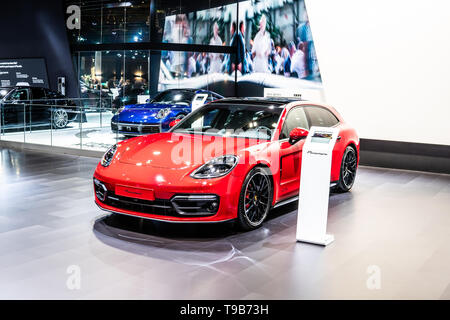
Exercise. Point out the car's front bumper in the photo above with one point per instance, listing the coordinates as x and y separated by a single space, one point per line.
216 201
157 218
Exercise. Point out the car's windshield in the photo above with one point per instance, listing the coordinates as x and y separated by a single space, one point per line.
246 121
4 92
19 95
174 97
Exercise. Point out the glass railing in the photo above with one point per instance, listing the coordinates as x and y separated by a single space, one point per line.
71 123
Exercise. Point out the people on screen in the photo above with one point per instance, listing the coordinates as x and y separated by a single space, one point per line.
261 48
215 58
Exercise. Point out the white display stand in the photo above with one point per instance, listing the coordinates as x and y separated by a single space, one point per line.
199 101
315 186
143 99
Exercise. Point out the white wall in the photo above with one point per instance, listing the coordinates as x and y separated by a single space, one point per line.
386 65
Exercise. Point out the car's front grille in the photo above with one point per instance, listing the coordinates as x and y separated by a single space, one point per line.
157 207
135 128
150 129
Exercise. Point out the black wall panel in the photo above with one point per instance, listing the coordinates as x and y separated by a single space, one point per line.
33 29
405 155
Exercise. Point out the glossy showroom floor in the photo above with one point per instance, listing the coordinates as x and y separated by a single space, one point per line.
394 223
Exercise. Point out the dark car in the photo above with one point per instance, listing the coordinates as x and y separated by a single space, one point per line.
35 107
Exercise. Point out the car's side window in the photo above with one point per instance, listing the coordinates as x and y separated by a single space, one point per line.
53 95
296 118
216 97
209 118
210 98
321 117
19 95
38 93
50 94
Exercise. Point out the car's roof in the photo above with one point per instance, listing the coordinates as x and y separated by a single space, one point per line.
183 89
269 102
190 90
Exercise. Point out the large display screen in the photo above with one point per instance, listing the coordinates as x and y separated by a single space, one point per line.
23 72
210 26
276 43
276 47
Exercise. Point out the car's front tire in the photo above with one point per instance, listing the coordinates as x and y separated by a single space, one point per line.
255 199
347 174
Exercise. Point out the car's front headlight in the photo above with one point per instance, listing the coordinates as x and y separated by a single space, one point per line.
163 113
109 156
217 167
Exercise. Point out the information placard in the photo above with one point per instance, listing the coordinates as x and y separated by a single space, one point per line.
315 186
23 72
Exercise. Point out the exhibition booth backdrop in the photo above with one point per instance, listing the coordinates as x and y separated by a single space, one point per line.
236 48
36 29
385 66
388 79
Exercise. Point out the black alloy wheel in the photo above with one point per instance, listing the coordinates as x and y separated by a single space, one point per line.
256 199
348 170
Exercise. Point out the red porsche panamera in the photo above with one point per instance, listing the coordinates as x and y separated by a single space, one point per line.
231 159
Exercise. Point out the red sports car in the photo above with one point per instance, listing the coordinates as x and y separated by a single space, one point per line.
233 159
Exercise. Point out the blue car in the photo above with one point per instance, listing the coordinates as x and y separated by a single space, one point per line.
156 115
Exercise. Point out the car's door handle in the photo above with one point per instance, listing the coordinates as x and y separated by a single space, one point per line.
339 138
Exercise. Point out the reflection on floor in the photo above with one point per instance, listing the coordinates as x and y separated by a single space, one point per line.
397 221
95 134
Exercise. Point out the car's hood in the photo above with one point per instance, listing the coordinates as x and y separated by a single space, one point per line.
137 114
144 111
178 151
155 106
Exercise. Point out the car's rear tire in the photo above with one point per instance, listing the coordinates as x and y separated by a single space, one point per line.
60 118
348 170
255 199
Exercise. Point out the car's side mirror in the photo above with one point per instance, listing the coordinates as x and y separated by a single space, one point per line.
174 123
297 134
